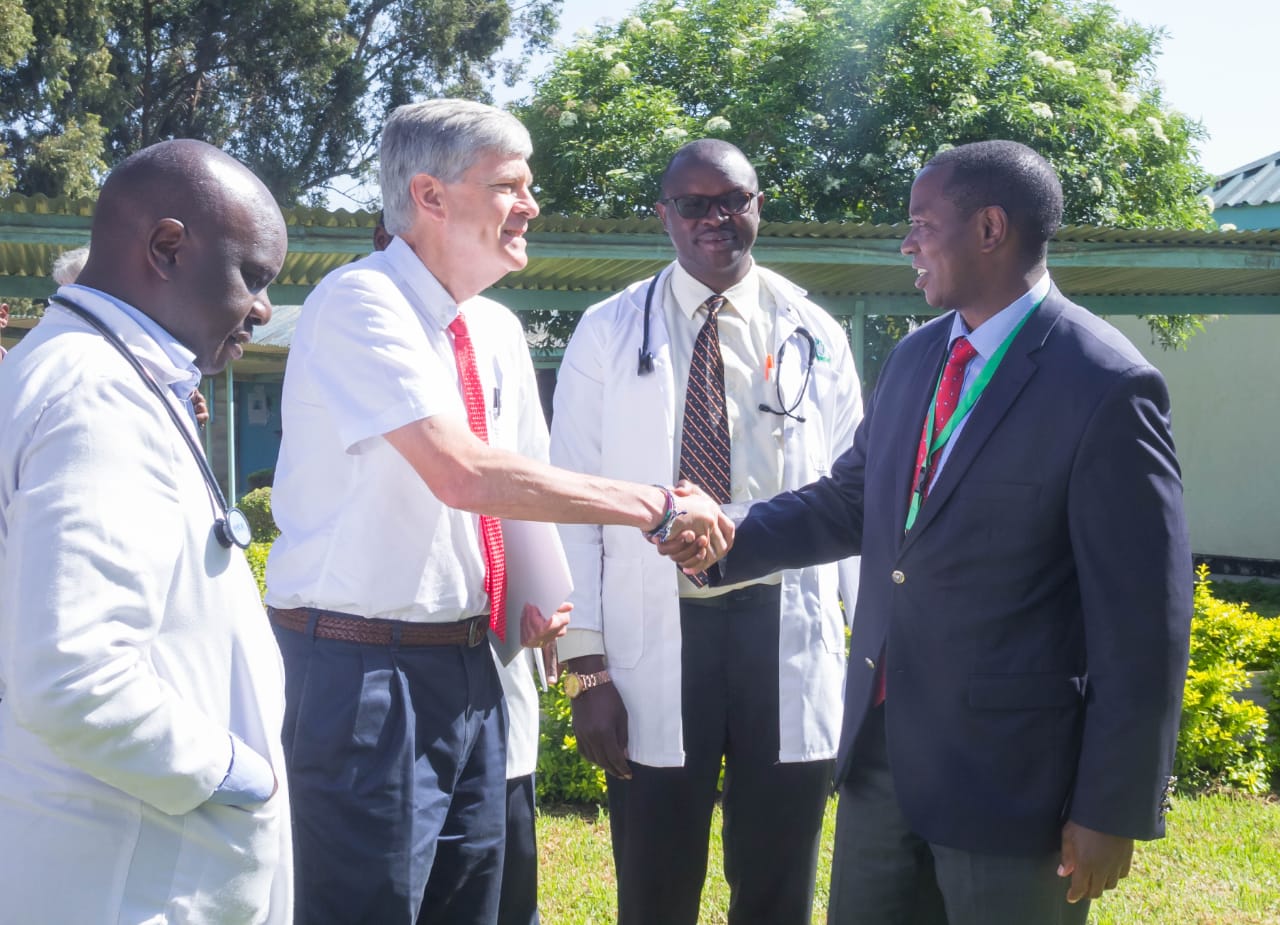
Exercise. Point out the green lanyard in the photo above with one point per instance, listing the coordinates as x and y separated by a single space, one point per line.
963 407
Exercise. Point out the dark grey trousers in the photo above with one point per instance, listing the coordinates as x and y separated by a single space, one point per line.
884 874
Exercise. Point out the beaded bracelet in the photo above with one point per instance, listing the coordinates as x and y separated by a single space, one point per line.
662 532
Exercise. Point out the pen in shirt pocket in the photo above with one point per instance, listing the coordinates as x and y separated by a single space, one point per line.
497 401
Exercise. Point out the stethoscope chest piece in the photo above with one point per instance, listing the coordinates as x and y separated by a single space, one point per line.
234 529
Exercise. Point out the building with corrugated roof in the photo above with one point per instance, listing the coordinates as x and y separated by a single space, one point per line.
1249 196
1223 387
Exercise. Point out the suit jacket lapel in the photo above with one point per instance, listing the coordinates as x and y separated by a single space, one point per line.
1015 372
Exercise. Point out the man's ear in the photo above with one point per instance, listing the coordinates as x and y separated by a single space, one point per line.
165 241
427 193
661 209
993 228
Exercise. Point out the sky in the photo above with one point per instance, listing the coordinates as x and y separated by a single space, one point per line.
1219 65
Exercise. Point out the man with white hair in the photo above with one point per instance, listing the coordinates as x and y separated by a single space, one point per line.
411 424
68 264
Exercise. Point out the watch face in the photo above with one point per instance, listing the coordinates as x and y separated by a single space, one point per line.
572 685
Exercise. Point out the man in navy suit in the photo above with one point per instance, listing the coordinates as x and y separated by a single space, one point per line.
1020 639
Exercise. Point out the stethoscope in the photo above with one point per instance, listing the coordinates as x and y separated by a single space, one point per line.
784 410
232 528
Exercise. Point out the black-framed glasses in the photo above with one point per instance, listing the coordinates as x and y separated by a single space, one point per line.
734 203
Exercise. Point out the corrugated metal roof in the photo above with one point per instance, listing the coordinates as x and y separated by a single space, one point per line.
591 257
1253 184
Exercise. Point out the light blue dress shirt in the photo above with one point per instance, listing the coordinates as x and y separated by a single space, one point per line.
986 339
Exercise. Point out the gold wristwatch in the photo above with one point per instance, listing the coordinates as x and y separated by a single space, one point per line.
575 684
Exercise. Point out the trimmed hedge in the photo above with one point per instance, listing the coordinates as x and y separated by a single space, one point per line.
1226 740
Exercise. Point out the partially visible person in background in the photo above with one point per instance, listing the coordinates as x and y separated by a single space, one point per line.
66 270
4 323
381 237
68 264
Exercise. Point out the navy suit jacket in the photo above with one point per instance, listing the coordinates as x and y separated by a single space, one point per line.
1036 618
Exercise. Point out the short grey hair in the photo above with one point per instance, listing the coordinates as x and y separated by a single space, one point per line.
66 269
441 138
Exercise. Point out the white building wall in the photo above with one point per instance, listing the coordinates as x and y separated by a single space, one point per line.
1225 392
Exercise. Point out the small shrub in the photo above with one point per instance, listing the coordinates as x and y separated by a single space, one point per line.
1222 740
257 507
564 776
257 556
1262 597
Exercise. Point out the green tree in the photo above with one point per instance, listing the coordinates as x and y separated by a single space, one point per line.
295 88
15 39
839 103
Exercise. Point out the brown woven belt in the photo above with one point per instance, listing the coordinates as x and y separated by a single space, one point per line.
373 632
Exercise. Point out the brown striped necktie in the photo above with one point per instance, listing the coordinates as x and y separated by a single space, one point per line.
704 443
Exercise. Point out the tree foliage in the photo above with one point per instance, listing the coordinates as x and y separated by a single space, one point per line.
296 88
839 103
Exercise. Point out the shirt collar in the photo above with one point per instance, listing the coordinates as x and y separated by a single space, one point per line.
181 374
743 296
989 335
425 293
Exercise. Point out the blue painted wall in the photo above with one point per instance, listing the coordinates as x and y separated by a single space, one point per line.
258 429
1249 218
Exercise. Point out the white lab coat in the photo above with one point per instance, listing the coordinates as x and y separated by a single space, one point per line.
522 711
611 421
131 644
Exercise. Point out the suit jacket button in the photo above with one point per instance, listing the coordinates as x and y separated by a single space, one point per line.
870 663
898 576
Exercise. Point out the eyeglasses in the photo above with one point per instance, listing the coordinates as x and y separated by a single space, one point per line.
734 203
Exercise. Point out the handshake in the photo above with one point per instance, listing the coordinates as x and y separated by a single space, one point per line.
694 532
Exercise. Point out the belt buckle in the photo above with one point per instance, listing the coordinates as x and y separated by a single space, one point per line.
475 632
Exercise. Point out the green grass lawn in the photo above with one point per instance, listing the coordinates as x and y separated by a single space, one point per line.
1220 865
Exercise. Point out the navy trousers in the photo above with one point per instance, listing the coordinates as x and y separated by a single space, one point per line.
397 772
660 820
884 874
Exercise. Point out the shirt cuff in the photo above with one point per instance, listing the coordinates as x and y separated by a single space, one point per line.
249 778
577 643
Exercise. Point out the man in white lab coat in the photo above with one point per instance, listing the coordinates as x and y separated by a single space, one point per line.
667 678
141 772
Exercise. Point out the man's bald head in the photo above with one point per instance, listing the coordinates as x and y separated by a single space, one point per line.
189 236
713 152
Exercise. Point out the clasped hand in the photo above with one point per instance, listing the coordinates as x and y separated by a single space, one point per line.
702 533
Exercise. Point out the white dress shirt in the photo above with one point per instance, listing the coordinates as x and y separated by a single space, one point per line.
746 325
361 533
